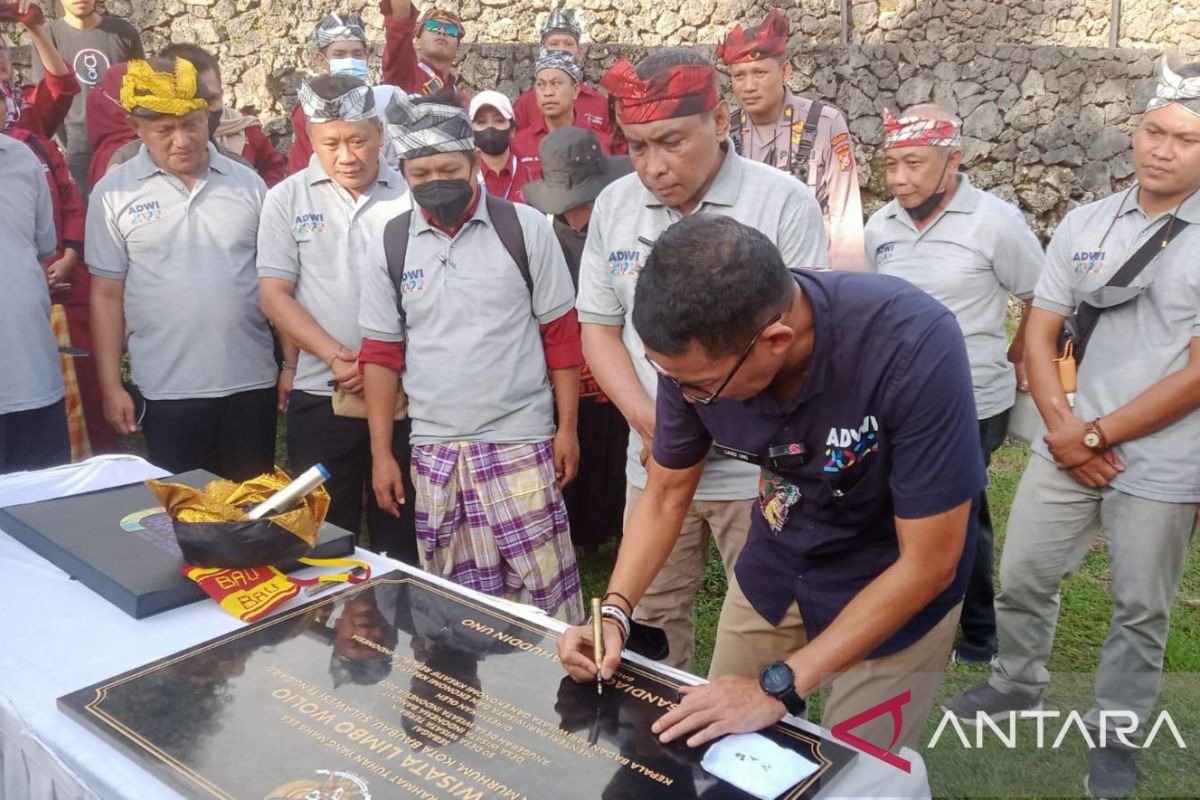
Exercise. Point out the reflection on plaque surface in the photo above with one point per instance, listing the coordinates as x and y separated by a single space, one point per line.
400 688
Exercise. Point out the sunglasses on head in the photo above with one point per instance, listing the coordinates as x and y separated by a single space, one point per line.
443 26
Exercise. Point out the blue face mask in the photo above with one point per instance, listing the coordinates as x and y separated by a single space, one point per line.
356 67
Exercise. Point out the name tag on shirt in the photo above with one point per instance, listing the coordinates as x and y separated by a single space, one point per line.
733 452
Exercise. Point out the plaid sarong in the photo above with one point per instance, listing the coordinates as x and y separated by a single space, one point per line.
491 517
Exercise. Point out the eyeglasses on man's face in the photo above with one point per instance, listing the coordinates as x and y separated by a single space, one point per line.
693 393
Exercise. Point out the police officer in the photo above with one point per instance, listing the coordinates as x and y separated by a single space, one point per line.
805 138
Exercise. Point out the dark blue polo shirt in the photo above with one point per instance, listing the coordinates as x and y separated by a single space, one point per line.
887 416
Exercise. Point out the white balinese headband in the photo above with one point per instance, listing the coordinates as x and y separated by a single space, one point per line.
1173 88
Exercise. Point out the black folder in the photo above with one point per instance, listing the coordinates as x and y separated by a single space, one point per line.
120 544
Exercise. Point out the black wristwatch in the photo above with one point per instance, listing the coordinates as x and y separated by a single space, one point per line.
779 681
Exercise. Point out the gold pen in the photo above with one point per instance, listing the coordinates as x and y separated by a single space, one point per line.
598 642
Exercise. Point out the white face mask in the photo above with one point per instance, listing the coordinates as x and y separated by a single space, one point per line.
356 67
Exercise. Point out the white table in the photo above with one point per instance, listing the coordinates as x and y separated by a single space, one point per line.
58 636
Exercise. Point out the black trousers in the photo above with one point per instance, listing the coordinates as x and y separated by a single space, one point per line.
343 445
596 498
232 436
978 619
35 439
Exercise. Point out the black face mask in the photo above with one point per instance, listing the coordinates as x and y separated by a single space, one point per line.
445 200
493 141
921 211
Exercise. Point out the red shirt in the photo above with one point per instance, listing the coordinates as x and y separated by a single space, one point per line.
506 183
44 105
591 106
402 68
300 150
67 202
263 156
527 140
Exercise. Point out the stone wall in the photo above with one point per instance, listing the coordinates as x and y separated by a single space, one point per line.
1047 119
1045 127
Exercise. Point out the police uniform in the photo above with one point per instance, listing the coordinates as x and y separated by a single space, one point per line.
811 142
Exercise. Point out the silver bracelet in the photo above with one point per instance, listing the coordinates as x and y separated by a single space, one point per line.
617 614
287 365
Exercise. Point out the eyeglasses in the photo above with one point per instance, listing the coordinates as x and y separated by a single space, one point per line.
709 399
442 26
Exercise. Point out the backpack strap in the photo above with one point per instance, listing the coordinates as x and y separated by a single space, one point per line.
508 228
395 250
504 219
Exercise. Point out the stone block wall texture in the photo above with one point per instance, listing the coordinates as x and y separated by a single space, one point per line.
1048 109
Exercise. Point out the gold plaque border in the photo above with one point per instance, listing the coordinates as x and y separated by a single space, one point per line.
94 706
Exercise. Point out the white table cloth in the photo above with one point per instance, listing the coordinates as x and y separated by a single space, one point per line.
58 636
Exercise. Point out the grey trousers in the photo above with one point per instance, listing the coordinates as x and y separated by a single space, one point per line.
1052 523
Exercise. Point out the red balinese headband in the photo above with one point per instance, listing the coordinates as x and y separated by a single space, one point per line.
679 91
916 131
767 40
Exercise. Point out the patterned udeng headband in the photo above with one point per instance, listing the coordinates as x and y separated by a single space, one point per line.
428 128
916 131
170 93
339 28
353 106
558 59
1172 88
676 91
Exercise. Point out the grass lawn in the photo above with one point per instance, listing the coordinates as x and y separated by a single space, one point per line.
1083 625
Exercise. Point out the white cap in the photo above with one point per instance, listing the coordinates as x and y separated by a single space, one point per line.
494 99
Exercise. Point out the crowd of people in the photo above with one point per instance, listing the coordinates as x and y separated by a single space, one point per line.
513 327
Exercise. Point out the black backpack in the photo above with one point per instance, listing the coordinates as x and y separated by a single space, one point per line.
504 219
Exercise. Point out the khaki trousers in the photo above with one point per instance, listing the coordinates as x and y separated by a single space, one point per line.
746 643
1052 523
669 601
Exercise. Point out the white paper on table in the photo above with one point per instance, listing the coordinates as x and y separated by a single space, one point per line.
756 765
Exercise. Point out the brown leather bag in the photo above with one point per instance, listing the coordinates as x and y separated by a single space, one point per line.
353 405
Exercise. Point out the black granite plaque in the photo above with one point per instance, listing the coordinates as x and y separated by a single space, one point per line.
400 688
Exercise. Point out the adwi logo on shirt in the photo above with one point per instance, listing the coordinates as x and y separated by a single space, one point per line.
141 213
413 280
845 447
624 263
1089 262
310 223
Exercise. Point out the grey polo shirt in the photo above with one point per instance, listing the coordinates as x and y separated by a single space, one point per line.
1135 344
28 352
316 235
969 258
475 368
187 258
627 219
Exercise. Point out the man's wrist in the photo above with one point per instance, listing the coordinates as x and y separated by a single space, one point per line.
1094 438
620 599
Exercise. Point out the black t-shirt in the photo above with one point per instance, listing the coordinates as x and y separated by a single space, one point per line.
89 52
